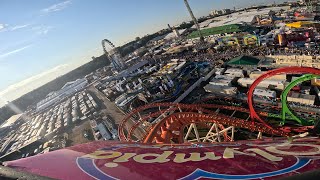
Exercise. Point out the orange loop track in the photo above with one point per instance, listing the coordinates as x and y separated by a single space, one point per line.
201 109
163 132
168 122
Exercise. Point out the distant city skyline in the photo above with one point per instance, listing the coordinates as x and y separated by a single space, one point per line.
42 40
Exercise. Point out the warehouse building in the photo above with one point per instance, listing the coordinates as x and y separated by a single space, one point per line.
267 83
296 60
221 81
256 74
220 90
68 89
234 72
219 71
301 98
264 94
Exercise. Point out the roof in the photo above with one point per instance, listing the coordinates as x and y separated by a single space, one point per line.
298 24
261 92
11 120
237 17
244 60
71 83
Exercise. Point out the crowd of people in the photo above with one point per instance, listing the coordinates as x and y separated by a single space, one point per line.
222 55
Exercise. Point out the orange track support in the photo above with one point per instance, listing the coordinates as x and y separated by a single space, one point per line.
171 118
163 132
167 134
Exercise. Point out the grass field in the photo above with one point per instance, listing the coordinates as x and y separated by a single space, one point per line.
219 30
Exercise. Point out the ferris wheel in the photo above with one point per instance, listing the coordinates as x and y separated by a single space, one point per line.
114 56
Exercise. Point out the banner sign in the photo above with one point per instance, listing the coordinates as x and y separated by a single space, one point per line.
265 159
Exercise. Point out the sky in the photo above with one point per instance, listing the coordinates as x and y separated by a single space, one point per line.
43 39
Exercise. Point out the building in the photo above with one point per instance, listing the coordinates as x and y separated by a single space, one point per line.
220 12
68 89
244 61
11 120
234 72
301 98
248 17
221 81
219 71
315 82
7 144
261 93
226 11
256 74
216 12
124 101
220 90
267 83
296 60
105 134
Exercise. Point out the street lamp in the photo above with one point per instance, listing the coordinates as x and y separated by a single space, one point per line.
194 20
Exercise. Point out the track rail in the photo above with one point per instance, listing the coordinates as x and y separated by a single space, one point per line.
166 109
166 121
166 130
293 70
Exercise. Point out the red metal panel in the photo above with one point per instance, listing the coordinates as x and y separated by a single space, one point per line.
267 159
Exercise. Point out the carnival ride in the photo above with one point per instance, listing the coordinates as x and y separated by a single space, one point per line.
250 40
228 41
180 123
113 55
188 72
296 70
286 109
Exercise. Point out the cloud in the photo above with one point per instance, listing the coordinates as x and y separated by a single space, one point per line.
19 27
14 51
16 90
57 7
3 26
42 30
34 78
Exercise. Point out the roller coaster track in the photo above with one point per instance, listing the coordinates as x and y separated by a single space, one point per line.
166 122
293 70
285 108
163 107
170 127
165 110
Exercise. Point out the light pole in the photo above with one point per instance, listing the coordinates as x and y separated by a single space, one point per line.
194 20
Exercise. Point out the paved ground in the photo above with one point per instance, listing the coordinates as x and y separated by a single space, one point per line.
111 109
76 134
107 107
